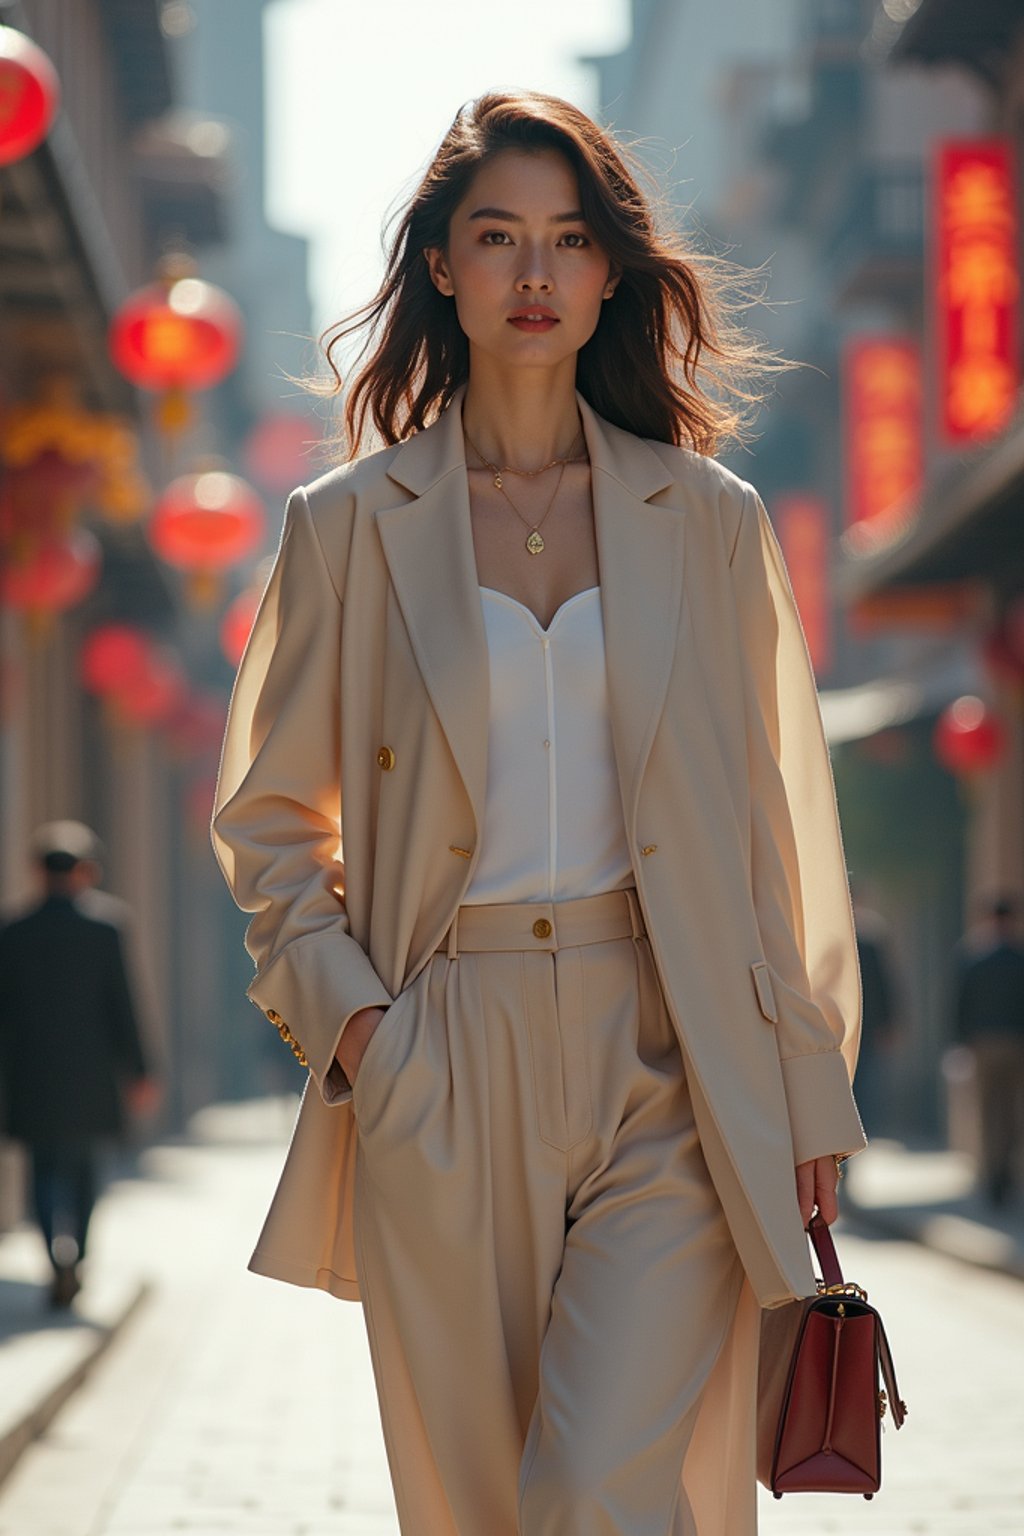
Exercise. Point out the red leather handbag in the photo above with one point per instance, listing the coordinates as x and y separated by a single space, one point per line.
820 1401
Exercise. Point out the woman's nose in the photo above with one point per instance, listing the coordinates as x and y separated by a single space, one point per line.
535 275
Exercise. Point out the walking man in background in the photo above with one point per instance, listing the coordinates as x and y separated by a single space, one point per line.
989 1017
880 1009
70 1052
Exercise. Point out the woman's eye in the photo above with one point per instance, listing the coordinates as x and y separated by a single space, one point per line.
503 235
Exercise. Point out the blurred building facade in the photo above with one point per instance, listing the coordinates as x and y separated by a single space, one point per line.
150 152
805 137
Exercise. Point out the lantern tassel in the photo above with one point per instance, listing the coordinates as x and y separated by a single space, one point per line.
174 412
203 587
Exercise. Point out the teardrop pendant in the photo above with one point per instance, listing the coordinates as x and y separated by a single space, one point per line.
535 544
498 481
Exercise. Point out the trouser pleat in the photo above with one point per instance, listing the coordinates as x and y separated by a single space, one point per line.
546 1267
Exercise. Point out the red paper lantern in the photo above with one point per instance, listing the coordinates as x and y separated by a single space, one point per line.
44 496
112 657
236 625
185 335
29 95
156 694
57 572
968 737
207 522
175 337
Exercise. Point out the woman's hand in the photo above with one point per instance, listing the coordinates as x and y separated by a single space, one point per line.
355 1038
816 1184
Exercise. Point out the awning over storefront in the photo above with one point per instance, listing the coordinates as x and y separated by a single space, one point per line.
979 35
936 680
967 526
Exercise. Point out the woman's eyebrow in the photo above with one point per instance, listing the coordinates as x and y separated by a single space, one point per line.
517 218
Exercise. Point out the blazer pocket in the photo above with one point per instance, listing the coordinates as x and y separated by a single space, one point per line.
765 993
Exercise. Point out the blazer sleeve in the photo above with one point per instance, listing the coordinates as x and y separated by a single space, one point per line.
276 827
800 888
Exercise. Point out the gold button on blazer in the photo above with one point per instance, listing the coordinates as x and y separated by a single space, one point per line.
371 631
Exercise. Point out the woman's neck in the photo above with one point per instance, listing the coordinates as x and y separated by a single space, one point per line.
523 421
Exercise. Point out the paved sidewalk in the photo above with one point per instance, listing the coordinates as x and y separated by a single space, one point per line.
45 1354
230 1405
928 1196
227 1402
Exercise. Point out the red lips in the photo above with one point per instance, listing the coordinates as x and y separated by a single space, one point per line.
545 319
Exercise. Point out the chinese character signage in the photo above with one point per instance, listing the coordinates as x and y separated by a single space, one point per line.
976 288
883 428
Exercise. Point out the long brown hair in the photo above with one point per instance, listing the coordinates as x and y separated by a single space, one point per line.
667 360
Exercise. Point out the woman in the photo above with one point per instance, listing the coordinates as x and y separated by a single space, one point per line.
525 785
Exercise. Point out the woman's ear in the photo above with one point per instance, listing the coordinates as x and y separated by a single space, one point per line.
438 268
614 278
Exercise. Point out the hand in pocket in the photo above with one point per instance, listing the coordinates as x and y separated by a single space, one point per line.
358 1033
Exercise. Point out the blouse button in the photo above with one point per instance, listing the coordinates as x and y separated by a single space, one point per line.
542 928
385 759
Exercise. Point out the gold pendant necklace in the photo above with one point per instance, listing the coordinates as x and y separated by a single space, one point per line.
498 470
534 542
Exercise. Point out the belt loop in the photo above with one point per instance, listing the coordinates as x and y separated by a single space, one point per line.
453 937
635 917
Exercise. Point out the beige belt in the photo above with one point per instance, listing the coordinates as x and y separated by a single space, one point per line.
545 925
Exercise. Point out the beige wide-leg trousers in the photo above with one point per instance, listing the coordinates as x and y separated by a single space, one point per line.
546 1269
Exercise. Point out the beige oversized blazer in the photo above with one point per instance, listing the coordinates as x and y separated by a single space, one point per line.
351 794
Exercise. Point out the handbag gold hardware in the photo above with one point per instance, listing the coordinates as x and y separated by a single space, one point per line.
848 1288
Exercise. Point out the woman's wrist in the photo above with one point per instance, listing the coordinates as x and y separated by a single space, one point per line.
361 1017
354 1037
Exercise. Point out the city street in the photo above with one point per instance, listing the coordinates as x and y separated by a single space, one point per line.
231 1404
319 324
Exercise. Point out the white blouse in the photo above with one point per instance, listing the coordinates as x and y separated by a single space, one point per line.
553 824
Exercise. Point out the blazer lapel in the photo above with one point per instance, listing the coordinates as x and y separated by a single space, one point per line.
428 545
640 549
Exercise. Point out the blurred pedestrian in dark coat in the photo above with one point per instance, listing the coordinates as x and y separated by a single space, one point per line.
879 1026
70 1050
989 1017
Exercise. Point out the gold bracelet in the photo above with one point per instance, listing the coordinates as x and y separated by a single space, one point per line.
839 1164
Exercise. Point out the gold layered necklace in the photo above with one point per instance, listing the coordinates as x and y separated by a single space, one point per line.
534 541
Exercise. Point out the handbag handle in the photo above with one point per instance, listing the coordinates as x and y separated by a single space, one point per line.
825 1248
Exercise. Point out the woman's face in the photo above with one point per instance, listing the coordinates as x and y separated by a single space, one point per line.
518 243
